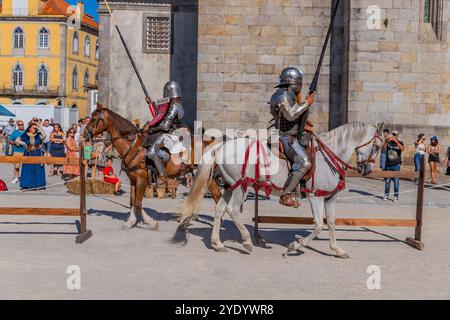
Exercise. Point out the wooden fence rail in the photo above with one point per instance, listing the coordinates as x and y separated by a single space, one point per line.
84 233
40 160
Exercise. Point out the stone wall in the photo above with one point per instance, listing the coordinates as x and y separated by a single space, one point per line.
400 74
243 46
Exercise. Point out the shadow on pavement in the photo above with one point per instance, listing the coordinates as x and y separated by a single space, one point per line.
276 236
123 216
365 193
76 224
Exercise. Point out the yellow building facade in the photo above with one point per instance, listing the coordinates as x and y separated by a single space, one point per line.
48 53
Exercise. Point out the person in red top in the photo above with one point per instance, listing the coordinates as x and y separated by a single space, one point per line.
110 177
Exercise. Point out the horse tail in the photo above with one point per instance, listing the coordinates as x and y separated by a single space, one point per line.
202 180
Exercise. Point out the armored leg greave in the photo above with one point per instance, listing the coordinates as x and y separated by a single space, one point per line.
300 163
157 155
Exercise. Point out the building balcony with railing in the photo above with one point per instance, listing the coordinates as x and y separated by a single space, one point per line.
34 91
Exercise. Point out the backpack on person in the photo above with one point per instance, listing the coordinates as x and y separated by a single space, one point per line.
3 186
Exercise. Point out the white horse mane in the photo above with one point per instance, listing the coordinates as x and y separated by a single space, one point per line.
342 134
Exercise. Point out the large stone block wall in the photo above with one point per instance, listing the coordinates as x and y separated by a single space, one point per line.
400 74
243 46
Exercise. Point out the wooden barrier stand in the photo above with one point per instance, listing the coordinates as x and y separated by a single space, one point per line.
84 233
417 223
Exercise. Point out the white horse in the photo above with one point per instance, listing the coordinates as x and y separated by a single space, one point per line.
229 156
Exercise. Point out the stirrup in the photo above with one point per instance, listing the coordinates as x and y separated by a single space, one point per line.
290 200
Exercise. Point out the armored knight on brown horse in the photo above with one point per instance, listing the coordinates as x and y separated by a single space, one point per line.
140 149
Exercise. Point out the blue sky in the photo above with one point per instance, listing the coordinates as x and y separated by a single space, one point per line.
90 7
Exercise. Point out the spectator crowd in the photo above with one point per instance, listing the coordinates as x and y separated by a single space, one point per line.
42 138
391 158
46 138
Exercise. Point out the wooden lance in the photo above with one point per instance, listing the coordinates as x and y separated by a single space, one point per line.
313 87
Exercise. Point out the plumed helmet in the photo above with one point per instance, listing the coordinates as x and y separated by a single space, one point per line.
291 76
172 90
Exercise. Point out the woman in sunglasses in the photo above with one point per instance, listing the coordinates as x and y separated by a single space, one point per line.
57 148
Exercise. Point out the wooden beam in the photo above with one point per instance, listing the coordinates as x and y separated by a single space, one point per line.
82 237
385 174
40 211
415 243
39 160
341 221
419 204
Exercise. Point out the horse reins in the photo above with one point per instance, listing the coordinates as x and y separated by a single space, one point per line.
370 159
374 142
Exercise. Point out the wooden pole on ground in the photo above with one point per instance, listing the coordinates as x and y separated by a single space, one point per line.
417 241
84 233
256 231
259 240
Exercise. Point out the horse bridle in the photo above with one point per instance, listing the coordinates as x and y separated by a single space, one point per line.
99 118
370 159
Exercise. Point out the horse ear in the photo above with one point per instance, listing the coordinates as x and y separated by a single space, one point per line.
99 107
380 127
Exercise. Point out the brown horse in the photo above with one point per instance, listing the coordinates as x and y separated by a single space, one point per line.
127 140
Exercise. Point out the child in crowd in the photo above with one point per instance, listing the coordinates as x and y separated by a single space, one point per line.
87 156
110 177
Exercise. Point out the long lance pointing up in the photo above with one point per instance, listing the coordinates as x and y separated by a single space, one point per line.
313 87
152 109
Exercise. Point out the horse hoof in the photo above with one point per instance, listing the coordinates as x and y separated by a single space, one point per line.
219 248
293 246
154 226
127 227
248 247
344 256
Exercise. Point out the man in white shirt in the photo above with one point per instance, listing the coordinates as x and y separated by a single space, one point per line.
48 129
7 131
79 130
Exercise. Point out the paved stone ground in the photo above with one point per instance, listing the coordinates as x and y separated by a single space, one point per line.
143 264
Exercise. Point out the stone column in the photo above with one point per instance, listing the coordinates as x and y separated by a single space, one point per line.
339 66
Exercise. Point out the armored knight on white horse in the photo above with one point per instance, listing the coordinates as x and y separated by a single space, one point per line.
331 150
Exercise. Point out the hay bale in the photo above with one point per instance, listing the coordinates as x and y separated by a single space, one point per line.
101 187
93 186
165 188
149 192
161 193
